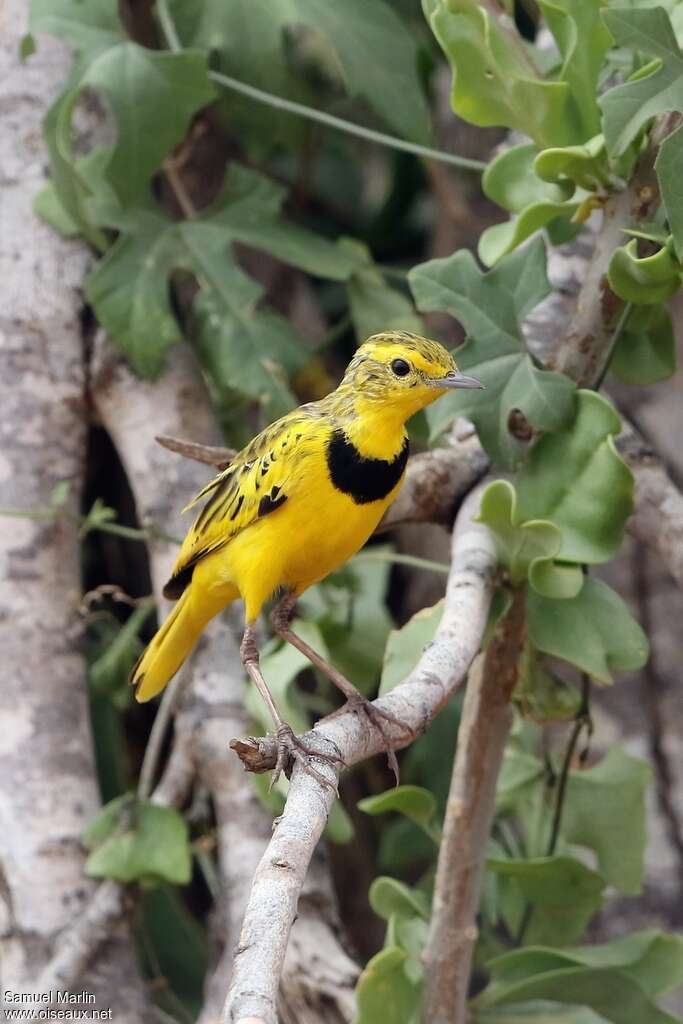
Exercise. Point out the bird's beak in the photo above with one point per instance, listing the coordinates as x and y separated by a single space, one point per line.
455 379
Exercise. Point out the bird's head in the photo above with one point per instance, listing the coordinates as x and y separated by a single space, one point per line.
404 371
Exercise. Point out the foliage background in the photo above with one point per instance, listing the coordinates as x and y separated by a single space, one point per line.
271 245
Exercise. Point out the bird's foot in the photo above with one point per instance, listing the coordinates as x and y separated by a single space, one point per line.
290 748
379 719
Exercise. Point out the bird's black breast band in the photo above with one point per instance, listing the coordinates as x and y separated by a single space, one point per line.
364 480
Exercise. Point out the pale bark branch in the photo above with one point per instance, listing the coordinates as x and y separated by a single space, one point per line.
48 785
484 727
441 669
657 519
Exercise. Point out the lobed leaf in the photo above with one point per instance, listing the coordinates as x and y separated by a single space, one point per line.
594 630
668 166
491 307
251 38
583 40
645 352
605 811
494 80
576 479
376 306
527 549
628 108
140 842
563 893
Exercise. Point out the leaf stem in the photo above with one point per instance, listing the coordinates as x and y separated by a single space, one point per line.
618 331
398 559
311 113
581 722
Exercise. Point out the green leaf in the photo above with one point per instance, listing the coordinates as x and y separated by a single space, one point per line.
540 694
109 673
48 207
511 180
641 965
245 349
494 81
414 802
410 934
576 479
388 896
668 166
357 648
375 305
87 26
627 108
499 239
145 843
385 992
611 993
154 96
405 646
527 549
647 279
491 307
584 166
129 291
538 1012
605 810
27 46
179 943
650 957
518 777
594 631
251 41
563 892
645 352
583 41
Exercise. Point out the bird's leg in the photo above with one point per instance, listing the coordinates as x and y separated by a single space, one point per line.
281 618
288 745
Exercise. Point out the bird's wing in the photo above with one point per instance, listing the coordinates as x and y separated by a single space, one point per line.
256 483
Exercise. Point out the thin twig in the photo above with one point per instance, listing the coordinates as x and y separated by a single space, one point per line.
157 735
311 113
211 455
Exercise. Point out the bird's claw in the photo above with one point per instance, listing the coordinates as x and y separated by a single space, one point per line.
291 748
377 717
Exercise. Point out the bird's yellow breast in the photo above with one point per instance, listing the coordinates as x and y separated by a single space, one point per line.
316 530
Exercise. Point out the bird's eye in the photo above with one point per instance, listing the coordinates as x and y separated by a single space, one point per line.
400 367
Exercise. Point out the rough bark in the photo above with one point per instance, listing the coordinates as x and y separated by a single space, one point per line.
48 789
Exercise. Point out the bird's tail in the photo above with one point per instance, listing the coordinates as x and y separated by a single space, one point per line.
171 644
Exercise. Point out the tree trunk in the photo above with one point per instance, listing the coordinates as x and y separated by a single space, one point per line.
48 789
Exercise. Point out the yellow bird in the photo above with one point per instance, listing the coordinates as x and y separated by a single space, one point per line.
295 504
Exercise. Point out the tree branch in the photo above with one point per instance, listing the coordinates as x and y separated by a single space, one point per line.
277 884
587 345
484 727
657 519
